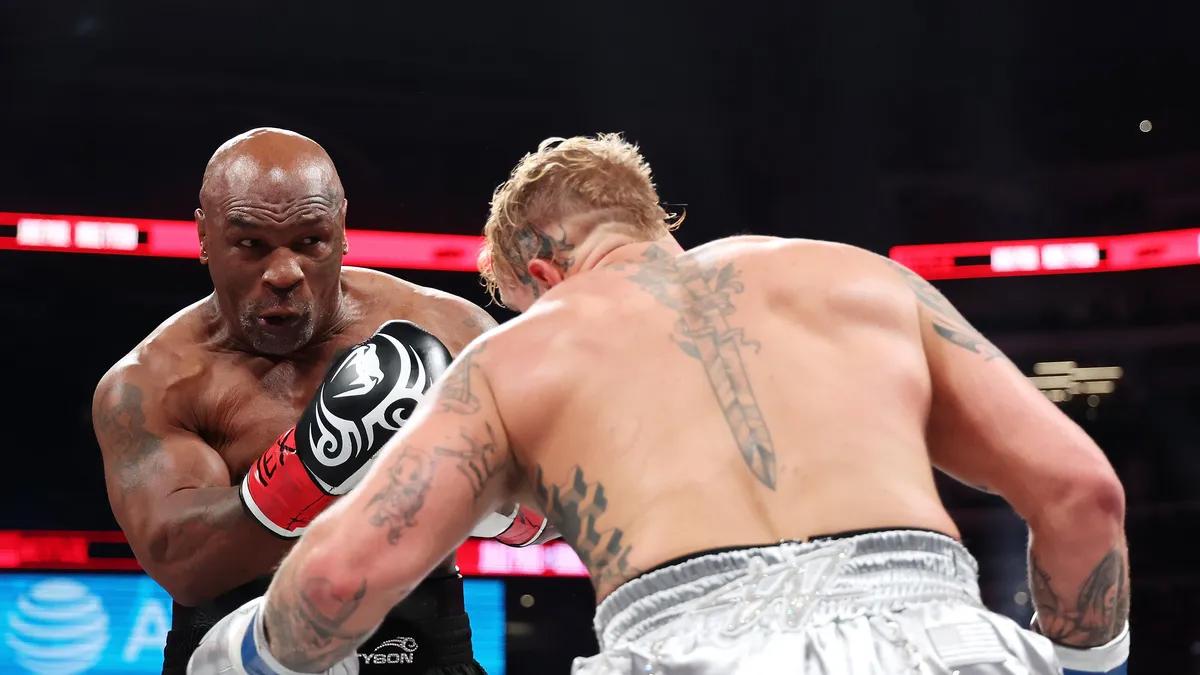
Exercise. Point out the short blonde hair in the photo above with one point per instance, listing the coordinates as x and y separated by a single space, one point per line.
566 175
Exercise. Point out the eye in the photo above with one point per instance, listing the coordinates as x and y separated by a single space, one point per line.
310 241
247 243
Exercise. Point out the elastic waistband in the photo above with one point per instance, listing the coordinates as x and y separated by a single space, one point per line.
817 538
871 569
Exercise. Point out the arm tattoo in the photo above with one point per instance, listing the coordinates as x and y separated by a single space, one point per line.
703 298
1098 613
948 323
123 427
574 509
478 460
456 395
534 244
397 504
304 623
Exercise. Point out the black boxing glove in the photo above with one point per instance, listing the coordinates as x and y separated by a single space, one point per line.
367 395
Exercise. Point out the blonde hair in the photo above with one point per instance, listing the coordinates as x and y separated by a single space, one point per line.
563 176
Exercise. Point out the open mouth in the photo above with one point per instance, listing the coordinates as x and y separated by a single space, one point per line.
278 318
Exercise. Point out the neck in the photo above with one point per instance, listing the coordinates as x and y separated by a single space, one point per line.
612 244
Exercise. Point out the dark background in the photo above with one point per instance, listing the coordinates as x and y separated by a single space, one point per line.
872 123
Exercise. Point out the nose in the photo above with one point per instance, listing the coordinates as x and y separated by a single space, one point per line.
283 272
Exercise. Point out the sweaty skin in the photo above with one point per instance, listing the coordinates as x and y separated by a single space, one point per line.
183 416
656 403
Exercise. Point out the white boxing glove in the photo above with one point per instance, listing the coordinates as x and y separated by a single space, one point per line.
237 644
1111 658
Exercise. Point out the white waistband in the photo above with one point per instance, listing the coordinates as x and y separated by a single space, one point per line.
873 569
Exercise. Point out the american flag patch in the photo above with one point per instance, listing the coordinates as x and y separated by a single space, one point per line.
964 644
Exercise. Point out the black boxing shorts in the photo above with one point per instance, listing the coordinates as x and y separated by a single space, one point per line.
426 634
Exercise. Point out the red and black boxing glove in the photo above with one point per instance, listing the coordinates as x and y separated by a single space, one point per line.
368 393
522 527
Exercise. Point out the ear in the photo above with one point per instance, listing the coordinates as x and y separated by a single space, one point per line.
201 234
546 273
345 237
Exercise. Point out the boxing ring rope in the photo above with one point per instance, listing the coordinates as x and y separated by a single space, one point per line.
99 550
177 239
457 253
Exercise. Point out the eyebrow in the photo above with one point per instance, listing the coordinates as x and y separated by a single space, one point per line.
240 221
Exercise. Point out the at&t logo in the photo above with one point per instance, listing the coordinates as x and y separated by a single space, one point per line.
57 628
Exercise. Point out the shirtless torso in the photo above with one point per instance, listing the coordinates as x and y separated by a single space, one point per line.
742 361
183 417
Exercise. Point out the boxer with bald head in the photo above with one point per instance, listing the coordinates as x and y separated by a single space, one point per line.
738 440
245 414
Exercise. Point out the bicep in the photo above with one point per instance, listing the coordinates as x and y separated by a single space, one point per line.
990 427
146 458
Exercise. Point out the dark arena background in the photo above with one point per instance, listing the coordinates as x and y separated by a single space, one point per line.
1039 162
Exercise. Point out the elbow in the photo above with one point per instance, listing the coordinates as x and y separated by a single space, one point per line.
1090 503
186 589
327 577
171 569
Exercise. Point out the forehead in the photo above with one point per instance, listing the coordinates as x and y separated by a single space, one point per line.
248 178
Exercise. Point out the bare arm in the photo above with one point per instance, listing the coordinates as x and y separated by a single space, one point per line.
458 323
990 428
435 479
172 495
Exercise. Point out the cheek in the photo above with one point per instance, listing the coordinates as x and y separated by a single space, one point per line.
324 275
233 277
516 296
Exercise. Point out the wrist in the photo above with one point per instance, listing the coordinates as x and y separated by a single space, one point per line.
279 493
255 651
1110 658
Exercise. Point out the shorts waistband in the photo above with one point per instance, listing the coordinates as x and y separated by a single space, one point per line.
817 538
867 569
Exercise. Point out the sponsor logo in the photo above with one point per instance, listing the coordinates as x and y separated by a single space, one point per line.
57 626
391 652
365 365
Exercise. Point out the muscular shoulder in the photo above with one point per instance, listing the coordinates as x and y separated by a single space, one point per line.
454 320
523 347
170 356
819 282
784 250
801 261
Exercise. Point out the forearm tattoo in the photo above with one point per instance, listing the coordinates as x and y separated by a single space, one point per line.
1096 615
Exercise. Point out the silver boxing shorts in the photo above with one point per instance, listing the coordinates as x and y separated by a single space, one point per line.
890 602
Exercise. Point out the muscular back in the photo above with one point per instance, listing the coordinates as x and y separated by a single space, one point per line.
748 391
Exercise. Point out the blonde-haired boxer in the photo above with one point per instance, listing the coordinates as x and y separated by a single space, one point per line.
739 442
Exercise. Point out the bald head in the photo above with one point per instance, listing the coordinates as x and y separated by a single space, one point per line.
269 163
272 227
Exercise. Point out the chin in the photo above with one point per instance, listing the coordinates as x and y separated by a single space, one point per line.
280 344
